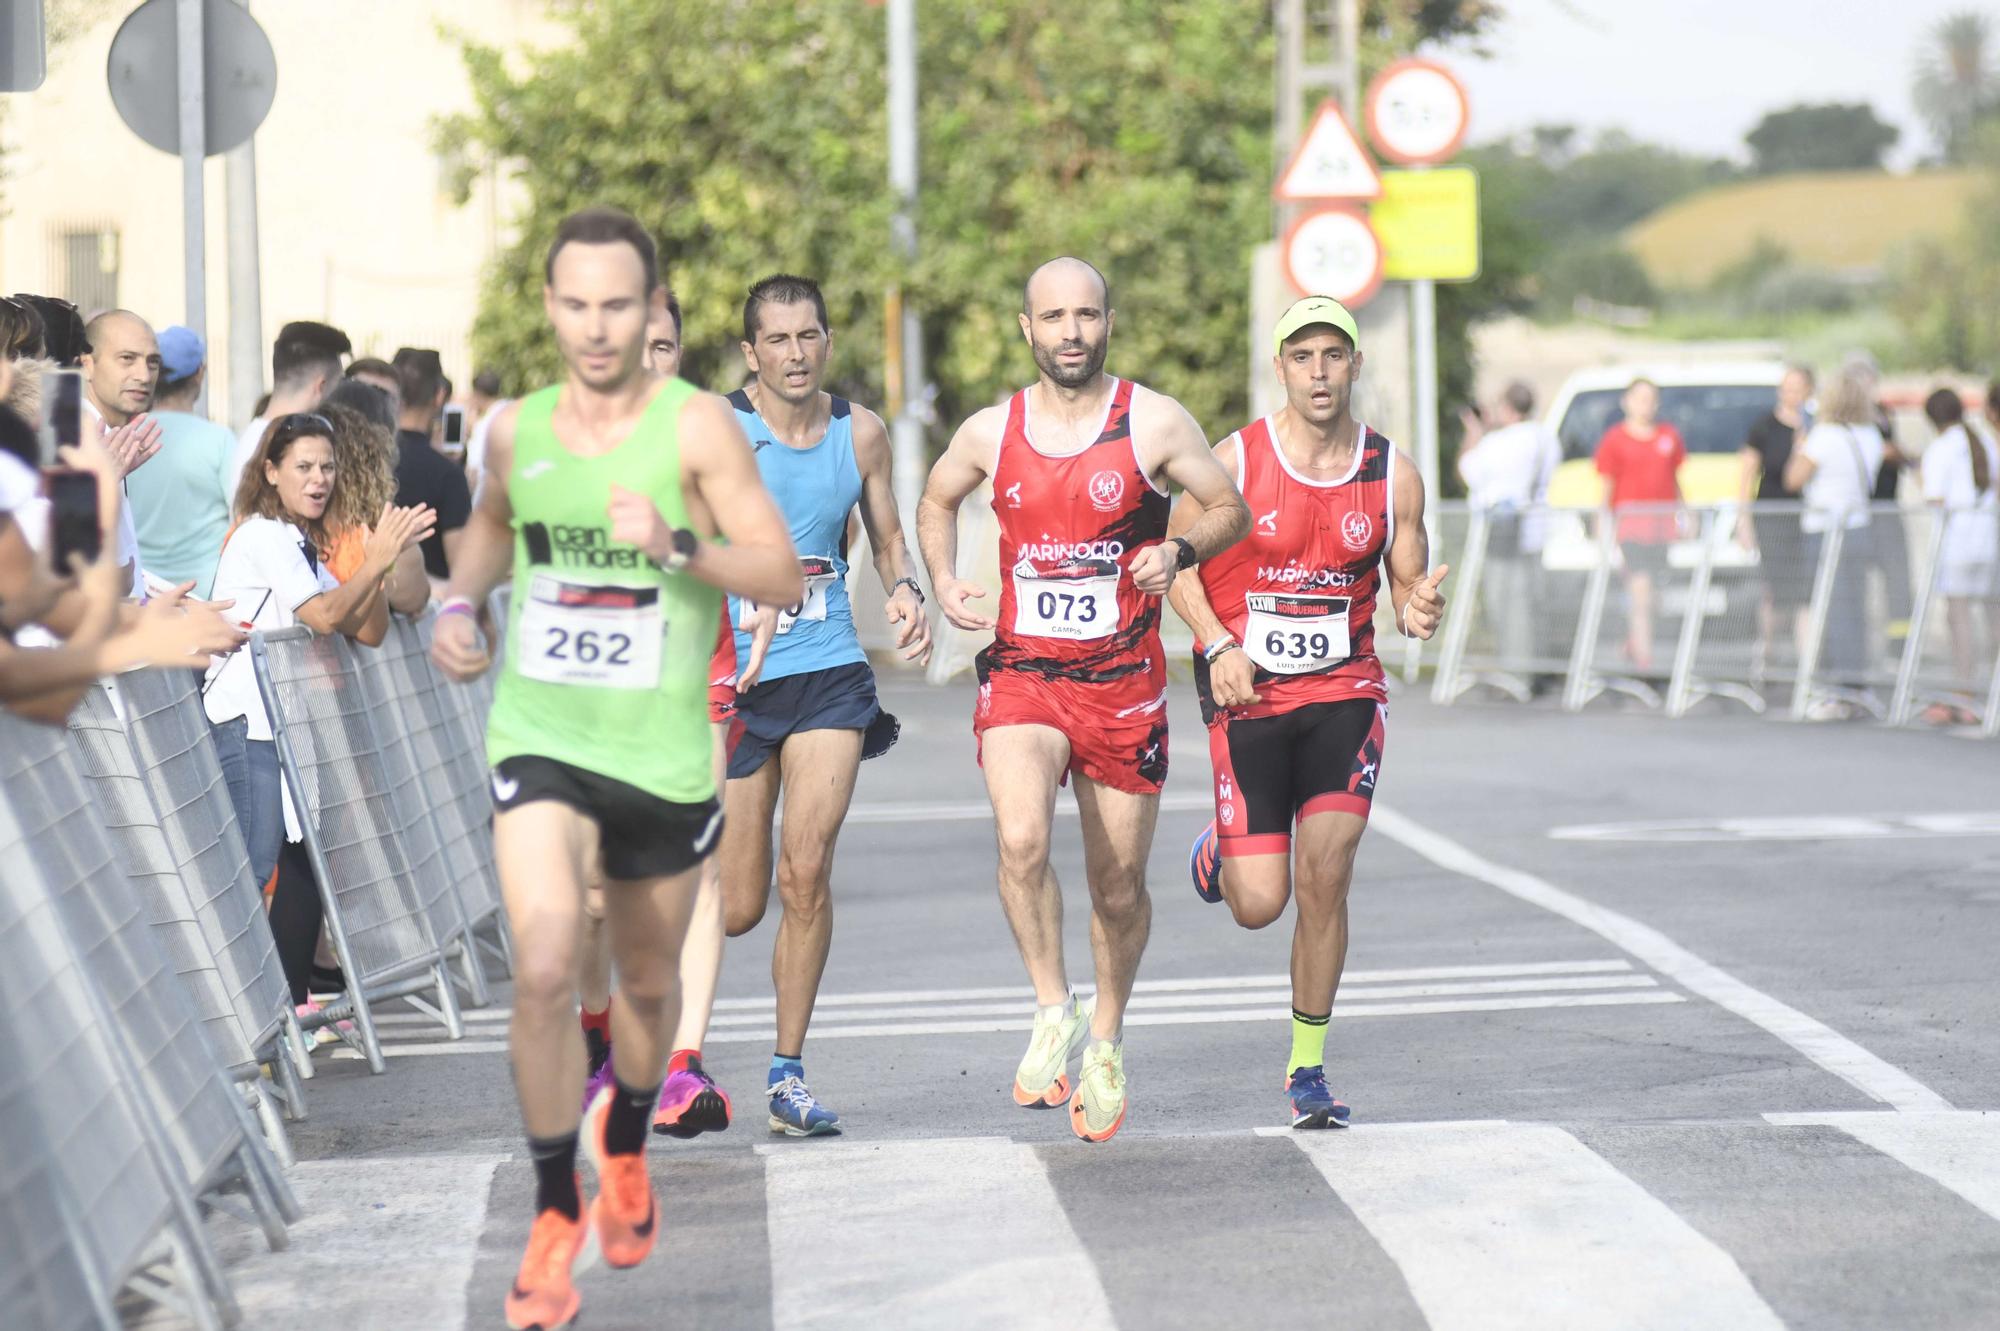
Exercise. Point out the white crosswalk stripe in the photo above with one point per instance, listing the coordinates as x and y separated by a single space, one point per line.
1959 1149
1202 1000
1491 1225
964 1233
1519 1225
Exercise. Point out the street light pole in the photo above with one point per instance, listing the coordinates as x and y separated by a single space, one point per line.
907 431
194 150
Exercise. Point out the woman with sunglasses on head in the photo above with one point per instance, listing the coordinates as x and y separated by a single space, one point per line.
274 566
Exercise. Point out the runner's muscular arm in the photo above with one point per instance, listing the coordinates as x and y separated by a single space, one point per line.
875 459
756 561
1187 596
956 474
1180 454
485 555
1414 593
1232 675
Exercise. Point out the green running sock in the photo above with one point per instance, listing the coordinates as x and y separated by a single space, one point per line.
1308 1041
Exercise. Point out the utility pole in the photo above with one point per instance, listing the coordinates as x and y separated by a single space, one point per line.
908 396
246 295
194 150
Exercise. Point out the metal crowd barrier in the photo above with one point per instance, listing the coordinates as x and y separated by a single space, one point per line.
379 918
173 831
1767 606
121 1088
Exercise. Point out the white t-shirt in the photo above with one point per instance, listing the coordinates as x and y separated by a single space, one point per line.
20 485
475 447
1972 531
246 448
1511 468
128 534
1846 459
265 569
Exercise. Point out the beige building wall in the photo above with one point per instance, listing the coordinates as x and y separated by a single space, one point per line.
357 225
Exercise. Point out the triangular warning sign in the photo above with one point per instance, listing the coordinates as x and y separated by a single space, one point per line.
1329 163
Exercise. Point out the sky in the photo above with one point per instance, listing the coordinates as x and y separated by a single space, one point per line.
1698 74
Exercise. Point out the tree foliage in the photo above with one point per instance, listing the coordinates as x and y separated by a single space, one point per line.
752 137
1835 136
1957 82
1946 292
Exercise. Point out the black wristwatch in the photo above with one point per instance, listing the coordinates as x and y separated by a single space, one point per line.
911 583
685 544
1186 557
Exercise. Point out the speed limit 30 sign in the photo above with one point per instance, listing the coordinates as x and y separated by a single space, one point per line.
1333 252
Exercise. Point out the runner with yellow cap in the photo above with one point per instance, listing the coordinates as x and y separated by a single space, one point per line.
1291 687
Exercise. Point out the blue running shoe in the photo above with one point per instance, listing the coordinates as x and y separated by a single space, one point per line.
1205 865
795 1113
1313 1105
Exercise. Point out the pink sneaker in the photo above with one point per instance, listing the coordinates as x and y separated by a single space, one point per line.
599 1080
691 1104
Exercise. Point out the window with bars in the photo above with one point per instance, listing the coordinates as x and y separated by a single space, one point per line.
83 259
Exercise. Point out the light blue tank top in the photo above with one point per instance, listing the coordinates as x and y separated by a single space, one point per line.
816 488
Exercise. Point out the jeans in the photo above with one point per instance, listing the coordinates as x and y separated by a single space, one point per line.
250 766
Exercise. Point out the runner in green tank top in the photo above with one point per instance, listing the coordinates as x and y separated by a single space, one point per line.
606 497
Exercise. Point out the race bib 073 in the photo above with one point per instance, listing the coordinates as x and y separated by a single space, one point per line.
819 574
574 633
1078 600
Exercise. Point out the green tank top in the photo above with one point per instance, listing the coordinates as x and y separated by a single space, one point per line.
606 661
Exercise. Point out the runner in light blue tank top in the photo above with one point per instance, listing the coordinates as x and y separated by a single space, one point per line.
816 488
809 704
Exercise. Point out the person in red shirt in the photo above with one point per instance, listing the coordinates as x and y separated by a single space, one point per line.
1639 458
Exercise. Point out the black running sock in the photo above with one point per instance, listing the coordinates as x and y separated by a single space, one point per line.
555 1174
631 1118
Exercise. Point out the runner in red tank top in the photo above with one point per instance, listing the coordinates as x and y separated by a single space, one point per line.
1285 662
1074 683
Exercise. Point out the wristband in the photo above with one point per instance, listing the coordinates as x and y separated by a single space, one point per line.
1218 647
457 605
911 583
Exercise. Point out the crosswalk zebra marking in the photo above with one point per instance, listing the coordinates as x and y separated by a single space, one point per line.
971 1226
1521 1227
1958 1149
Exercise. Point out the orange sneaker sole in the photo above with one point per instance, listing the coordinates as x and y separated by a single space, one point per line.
1076 1123
1056 1095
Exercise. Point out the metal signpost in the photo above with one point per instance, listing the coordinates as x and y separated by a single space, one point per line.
192 77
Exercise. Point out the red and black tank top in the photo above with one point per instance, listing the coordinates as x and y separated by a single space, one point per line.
1300 591
1070 527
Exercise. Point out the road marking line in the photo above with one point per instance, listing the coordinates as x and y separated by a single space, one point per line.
1815 1039
375 1233
965 1233
1233 998
1519 1225
1350 982
1814 827
764 1034
957 811
1957 1149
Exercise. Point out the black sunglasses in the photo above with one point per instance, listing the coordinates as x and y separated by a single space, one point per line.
303 422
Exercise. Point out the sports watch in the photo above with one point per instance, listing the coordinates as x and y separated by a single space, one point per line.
1186 556
684 545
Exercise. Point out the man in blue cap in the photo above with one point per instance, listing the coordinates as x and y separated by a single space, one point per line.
180 500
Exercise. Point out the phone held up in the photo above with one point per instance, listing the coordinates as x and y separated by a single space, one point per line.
452 445
75 523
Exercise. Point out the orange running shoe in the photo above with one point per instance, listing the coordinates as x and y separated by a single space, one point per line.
622 1215
543 1296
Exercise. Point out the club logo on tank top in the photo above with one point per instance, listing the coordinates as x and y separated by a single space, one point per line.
563 545
1107 491
1356 530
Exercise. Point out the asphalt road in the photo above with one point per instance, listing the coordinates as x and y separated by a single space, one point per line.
1716 1053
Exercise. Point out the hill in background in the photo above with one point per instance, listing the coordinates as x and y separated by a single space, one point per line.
1848 222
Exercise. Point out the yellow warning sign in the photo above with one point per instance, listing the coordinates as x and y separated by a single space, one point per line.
1428 223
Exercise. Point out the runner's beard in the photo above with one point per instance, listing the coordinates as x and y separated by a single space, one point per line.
1066 376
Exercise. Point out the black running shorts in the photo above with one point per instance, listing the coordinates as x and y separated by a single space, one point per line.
1271 771
639 835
